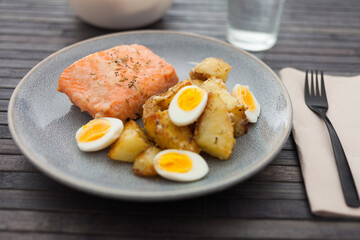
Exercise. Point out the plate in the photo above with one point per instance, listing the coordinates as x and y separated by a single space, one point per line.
43 122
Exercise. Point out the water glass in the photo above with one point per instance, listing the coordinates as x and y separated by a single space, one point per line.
254 24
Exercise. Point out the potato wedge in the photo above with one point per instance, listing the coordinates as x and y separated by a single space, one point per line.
211 67
131 142
239 120
151 106
144 164
167 135
216 85
236 110
162 101
197 82
214 131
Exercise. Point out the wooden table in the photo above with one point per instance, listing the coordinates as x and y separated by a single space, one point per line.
273 204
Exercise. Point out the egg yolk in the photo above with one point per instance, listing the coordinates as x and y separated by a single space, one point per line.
175 162
94 130
246 98
190 98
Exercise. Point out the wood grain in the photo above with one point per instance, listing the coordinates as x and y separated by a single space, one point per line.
70 201
321 34
34 180
8 146
140 226
4 105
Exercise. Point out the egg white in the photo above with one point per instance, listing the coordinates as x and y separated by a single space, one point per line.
182 118
251 116
199 167
116 128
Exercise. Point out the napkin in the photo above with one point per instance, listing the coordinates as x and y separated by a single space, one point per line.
313 142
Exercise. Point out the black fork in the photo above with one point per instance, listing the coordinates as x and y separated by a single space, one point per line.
316 100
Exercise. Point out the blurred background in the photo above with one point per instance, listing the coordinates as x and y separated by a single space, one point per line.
317 33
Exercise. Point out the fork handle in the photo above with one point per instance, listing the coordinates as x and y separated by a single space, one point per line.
346 178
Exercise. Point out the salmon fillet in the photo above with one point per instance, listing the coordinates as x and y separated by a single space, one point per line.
116 82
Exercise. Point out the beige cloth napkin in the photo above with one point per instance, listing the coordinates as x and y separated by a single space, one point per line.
313 141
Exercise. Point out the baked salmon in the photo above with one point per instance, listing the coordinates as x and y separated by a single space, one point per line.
116 82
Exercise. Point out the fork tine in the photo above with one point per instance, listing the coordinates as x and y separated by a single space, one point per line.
323 92
317 84
306 85
312 92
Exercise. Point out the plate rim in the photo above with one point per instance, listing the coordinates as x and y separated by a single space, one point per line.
167 195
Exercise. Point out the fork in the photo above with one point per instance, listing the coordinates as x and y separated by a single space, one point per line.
317 102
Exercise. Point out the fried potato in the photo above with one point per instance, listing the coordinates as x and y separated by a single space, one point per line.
216 85
162 101
236 110
131 142
239 120
158 125
144 164
211 67
214 131
197 82
167 135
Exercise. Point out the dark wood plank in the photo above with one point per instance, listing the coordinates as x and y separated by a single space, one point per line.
61 236
289 144
5 93
52 3
28 181
48 47
3 119
32 32
9 82
4 132
4 105
13 72
48 12
9 165
8 146
266 190
279 174
313 59
17 63
37 18
279 50
286 158
57 236
71 201
324 5
333 68
18 163
38 181
309 36
140 226
33 39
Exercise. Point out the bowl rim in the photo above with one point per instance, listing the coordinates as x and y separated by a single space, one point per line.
123 22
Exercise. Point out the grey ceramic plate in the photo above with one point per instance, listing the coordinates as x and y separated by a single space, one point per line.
43 122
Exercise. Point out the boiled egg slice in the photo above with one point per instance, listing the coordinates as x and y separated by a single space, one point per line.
247 98
180 165
187 105
98 134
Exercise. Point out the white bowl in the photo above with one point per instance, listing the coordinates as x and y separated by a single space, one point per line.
120 14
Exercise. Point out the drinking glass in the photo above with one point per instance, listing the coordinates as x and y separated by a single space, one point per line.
254 24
